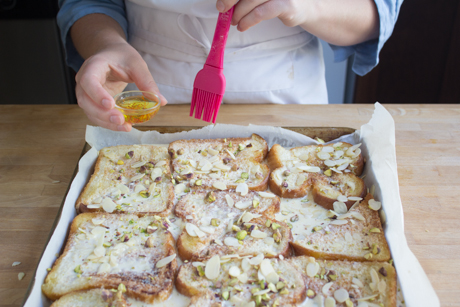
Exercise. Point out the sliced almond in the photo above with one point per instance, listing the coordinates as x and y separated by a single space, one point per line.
242 188
219 185
160 163
230 201
243 204
230 241
257 259
123 189
234 271
312 269
340 207
339 222
266 267
341 295
137 177
329 302
97 221
375 205
138 164
180 188
273 277
326 288
267 195
212 268
309 169
357 282
103 268
258 234
108 205
243 278
165 261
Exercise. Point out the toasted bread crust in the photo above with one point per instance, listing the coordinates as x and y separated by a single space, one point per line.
138 285
345 272
193 249
319 182
372 220
232 156
108 174
189 283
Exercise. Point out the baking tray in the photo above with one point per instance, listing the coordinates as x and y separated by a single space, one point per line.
324 133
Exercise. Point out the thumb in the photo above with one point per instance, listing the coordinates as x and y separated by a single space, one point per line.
143 79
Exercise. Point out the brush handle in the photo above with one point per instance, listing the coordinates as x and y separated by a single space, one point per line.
216 54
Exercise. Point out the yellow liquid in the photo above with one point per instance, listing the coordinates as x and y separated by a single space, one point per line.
136 106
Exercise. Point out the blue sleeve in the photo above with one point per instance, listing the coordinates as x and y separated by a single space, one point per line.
367 53
72 10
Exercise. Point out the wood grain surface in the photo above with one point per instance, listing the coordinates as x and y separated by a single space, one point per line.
40 147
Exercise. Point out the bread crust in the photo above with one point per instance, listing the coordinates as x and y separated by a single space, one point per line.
345 272
192 208
190 284
372 220
138 285
108 174
193 152
315 182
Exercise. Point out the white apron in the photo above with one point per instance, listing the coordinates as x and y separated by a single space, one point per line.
269 63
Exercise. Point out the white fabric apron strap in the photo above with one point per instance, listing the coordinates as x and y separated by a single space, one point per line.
282 69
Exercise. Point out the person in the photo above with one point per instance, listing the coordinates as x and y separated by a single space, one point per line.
273 54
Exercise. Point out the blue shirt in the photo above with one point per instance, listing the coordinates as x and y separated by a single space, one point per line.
366 54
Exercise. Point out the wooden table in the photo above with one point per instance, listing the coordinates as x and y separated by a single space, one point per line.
40 147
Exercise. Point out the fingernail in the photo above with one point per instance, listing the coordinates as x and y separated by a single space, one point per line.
116 119
220 6
107 103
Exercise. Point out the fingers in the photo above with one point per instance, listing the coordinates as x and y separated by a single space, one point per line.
90 78
244 8
125 127
224 5
264 11
143 79
107 118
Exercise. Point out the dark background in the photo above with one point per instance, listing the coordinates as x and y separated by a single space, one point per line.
420 63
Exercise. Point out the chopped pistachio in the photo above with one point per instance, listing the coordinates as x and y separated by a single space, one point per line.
284 291
374 230
241 234
311 293
268 223
225 295
241 147
244 175
77 269
280 285
215 222
122 288
275 226
200 270
230 144
120 162
328 173
198 182
144 194
210 197
255 203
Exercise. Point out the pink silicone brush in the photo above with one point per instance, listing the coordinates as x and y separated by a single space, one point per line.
209 85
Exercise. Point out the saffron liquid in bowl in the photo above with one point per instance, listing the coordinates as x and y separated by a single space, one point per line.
136 108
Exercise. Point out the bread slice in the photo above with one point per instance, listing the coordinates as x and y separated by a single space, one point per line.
240 281
95 298
221 163
130 179
297 171
113 249
240 225
371 282
356 236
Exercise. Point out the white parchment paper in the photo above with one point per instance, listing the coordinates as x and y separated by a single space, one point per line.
378 146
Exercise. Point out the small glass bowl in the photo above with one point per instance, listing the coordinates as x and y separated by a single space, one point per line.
137 106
